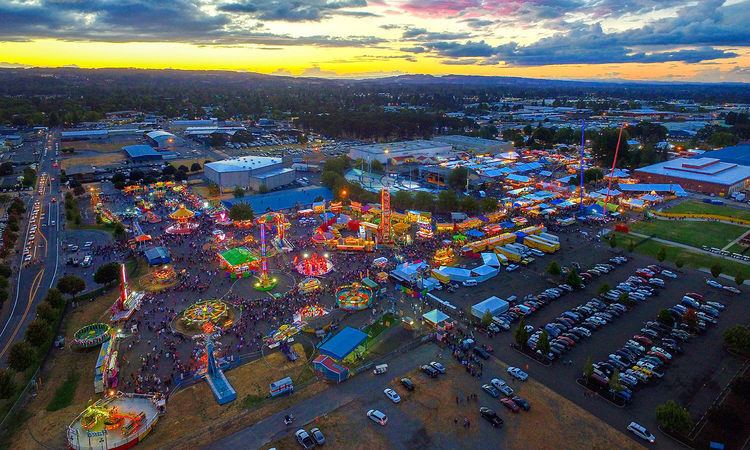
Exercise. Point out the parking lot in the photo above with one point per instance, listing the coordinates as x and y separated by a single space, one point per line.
693 379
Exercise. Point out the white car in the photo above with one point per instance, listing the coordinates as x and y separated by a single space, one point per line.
516 372
377 417
731 289
392 395
512 267
715 284
668 273
641 432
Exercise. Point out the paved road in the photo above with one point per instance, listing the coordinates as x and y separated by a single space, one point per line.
39 274
272 427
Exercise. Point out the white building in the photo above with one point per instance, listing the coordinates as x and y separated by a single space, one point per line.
399 151
249 172
474 144
161 139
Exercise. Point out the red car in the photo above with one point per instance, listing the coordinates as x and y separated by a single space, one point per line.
659 355
695 296
567 340
643 274
643 340
510 404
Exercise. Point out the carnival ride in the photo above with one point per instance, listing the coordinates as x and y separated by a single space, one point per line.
239 262
117 421
127 302
265 282
309 312
354 297
280 222
91 335
212 371
309 285
445 256
216 312
183 224
313 264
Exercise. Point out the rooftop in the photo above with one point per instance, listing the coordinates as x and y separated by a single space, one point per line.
736 154
139 151
709 170
244 163
394 148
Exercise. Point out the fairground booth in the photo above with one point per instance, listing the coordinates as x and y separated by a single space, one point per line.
346 345
157 256
239 262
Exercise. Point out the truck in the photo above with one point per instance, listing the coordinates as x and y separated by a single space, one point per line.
542 244
509 253
549 237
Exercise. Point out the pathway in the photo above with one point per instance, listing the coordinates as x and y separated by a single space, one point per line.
726 247
685 246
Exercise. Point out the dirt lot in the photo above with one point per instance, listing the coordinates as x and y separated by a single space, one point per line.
425 418
98 161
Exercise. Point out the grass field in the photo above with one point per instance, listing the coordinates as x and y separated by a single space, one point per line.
712 234
101 147
691 259
694 207
104 159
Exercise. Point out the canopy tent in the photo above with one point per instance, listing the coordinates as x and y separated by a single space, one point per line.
157 256
490 259
435 317
342 343
494 305
484 272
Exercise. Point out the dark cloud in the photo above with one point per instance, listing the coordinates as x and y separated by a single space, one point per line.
457 50
412 34
478 23
294 10
416 49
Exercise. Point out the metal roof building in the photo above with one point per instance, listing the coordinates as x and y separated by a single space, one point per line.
475 144
161 139
399 150
704 175
139 153
249 172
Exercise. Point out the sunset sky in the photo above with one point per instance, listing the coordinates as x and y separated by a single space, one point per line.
706 40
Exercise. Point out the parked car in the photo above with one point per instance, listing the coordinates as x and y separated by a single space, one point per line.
482 353
429 370
491 416
437 366
407 383
392 395
490 390
304 439
521 402
510 404
641 431
318 436
377 417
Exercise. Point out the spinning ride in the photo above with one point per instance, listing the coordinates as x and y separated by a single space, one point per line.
309 285
183 224
201 312
281 223
444 257
265 282
354 297
128 301
313 265
91 335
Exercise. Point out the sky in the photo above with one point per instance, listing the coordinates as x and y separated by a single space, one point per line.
665 40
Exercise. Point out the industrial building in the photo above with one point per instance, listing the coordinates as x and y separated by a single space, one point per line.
474 144
704 175
84 135
141 153
161 139
249 172
736 154
399 152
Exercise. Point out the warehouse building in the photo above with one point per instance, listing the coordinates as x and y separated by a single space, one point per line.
703 175
399 152
474 144
141 153
161 139
249 172
84 135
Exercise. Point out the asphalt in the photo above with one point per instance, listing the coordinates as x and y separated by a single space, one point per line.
33 280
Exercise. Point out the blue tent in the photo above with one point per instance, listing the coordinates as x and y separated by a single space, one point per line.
474 233
157 255
342 343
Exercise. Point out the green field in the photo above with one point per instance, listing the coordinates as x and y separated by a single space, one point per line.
694 207
712 234
691 259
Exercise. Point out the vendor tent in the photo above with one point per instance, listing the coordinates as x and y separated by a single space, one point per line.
435 317
157 256
494 305
484 273
490 259
342 343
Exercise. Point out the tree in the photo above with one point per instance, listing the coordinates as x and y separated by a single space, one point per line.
213 189
661 255
457 178
6 168
665 317
554 268
679 262
613 241
107 273
118 231
402 199
7 384
241 212
469 205
614 381
21 356
716 270
588 368
195 167
521 335
737 338
376 166
631 246
424 201
46 312
574 279
605 143
71 285
691 319
447 201
543 343
239 192
169 170
672 417
486 319
603 289
55 298
38 332
739 279
488 204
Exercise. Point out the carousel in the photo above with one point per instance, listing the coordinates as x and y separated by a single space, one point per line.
215 312
354 297
309 285
183 224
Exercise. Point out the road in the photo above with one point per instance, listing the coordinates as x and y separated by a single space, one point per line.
37 275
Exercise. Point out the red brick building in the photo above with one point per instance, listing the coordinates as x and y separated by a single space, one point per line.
703 175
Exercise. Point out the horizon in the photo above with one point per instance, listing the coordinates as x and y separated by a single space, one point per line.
646 40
